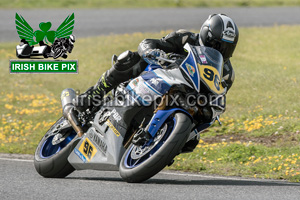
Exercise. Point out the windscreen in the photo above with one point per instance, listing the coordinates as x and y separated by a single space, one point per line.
210 65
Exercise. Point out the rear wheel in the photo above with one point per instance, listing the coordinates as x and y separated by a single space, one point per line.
52 160
140 163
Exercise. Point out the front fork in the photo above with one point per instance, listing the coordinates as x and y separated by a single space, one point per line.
146 134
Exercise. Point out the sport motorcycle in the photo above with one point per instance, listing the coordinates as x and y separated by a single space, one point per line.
143 124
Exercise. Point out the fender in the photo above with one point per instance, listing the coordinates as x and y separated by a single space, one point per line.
160 117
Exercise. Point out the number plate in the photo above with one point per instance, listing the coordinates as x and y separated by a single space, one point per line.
211 77
88 149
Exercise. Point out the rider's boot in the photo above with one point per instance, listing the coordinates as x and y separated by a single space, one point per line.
94 95
127 65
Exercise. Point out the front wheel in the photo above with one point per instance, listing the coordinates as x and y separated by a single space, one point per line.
140 163
50 160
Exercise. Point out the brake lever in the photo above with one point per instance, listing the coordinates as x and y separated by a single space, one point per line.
165 59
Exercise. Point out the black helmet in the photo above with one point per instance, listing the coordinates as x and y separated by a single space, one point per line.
221 33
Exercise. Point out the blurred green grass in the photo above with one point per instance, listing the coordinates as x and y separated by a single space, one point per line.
262 105
142 3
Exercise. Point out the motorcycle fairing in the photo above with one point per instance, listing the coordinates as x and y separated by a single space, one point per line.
100 148
189 66
89 149
152 67
154 84
101 160
211 78
105 137
204 64
147 88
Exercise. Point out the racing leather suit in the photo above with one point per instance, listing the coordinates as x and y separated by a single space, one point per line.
131 64
174 43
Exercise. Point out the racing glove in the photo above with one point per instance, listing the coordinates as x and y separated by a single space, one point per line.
151 56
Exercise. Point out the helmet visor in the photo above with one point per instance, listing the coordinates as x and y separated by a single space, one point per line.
225 48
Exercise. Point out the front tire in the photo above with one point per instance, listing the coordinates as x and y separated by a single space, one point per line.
137 167
51 161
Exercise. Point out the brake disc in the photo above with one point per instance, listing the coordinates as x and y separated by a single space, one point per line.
139 151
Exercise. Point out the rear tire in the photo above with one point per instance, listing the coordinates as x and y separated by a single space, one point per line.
132 171
51 161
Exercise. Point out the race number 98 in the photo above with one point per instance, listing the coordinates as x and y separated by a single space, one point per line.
211 76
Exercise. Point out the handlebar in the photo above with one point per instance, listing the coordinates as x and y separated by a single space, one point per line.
165 59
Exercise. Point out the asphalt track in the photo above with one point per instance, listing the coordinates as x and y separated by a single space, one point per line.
19 180
115 21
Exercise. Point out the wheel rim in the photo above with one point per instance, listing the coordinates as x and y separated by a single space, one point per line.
139 154
47 150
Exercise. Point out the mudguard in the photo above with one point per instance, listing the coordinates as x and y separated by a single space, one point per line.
160 117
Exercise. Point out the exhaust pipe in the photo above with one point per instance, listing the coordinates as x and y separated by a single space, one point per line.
66 98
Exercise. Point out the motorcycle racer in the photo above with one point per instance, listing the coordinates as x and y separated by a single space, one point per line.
218 31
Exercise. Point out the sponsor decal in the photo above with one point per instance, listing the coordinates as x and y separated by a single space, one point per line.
98 141
116 115
135 82
80 155
229 29
188 66
190 69
203 59
228 35
154 81
87 149
111 126
143 93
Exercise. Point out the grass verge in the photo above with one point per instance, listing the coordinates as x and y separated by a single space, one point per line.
142 3
260 133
